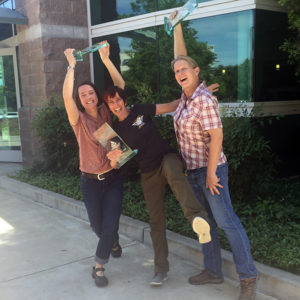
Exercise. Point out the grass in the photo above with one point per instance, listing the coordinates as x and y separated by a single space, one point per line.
272 224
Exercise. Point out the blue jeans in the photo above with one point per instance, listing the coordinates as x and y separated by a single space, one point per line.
103 201
220 209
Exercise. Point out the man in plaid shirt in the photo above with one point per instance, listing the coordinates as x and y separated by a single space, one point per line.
199 134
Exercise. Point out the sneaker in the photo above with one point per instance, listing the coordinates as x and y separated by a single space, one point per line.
205 278
248 289
202 228
159 278
100 281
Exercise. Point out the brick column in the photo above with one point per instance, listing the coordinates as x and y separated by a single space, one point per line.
52 27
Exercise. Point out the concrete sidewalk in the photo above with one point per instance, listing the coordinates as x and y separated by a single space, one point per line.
47 247
47 254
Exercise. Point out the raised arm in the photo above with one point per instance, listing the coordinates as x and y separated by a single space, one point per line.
68 86
165 108
113 71
179 44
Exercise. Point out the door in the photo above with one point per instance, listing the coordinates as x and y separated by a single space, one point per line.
10 142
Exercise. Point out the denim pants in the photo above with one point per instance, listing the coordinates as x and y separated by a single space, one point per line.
220 209
103 201
154 185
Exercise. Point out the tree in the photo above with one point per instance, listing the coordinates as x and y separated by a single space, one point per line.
149 72
292 44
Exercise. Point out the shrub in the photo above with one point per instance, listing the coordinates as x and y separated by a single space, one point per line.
59 145
249 154
250 157
59 182
272 223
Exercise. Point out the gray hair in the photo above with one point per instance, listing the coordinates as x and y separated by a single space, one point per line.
188 59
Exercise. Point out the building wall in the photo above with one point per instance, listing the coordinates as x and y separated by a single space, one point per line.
42 64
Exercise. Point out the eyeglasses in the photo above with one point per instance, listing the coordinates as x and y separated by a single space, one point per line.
183 70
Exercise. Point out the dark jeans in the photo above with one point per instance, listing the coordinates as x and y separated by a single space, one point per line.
219 208
154 186
103 201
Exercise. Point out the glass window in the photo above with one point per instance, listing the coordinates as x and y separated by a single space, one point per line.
274 78
7 3
6 31
222 46
229 38
101 12
9 121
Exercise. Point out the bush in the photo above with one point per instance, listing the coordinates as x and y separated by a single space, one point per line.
249 154
59 182
250 157
59 145
272 223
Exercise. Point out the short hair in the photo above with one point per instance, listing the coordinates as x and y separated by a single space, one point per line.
111 92
188 59
77 97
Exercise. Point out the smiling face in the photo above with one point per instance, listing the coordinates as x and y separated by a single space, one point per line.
186 76
88 97
117 106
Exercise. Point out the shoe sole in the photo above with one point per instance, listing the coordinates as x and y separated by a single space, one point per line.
202 228
217 281
158 283
116 255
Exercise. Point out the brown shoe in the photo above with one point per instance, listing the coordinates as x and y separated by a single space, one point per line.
205 278
248 289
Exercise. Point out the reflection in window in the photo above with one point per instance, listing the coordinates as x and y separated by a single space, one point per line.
7 3
230 39
274 78
101 12
221 45
9 125
5 31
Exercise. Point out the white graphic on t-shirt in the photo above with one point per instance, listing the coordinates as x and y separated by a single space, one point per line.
139 121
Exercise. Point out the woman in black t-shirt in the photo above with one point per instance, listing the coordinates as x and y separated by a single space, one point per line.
159 165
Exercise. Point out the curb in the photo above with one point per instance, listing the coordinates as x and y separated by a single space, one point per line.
273 282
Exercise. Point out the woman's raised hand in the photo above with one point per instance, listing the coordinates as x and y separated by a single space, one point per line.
105 51
70 57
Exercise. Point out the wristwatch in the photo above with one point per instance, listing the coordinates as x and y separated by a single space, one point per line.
70 67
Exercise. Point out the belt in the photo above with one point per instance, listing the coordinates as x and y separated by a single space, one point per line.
100 177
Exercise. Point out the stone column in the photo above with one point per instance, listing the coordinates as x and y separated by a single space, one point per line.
52 27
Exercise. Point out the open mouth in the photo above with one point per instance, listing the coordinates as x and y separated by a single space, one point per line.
183 79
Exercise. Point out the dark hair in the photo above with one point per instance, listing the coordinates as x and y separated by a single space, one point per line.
77 98
111 92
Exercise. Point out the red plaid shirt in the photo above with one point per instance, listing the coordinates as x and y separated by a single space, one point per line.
192 118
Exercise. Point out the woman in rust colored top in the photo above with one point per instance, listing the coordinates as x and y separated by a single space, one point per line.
101 184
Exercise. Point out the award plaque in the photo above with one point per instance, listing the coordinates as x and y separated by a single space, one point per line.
110 140
182 13
78 54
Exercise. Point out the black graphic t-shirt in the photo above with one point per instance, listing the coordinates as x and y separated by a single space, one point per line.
139 132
